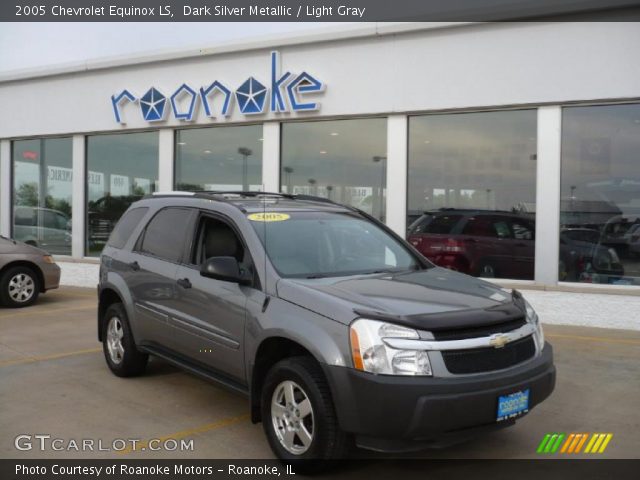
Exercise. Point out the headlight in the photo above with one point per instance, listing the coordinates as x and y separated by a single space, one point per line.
532 317
48 259
371 354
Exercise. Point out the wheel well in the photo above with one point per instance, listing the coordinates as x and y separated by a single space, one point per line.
462 262
270 352
32 266
107 297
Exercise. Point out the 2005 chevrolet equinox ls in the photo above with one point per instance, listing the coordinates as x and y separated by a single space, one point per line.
333 326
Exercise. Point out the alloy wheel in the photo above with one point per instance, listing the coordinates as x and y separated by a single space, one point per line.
292 417
115 333
488 271
21 288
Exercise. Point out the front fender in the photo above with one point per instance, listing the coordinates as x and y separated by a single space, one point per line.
326 339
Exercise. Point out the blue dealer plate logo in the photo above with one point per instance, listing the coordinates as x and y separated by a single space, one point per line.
513 405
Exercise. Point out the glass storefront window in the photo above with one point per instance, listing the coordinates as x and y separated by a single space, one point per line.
600 195
42 192
343 160
121 169
219 158
472 191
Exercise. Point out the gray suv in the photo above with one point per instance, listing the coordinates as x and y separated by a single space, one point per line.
333 326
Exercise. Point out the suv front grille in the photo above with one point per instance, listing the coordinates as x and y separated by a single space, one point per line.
483 331
478 360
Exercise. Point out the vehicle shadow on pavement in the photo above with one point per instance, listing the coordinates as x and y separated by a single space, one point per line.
158 368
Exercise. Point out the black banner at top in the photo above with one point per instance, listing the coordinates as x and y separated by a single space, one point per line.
317 10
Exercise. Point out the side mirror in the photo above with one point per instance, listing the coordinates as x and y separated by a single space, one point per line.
223 268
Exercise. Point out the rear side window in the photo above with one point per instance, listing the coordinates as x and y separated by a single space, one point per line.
165 234
442 224
25 217
486 226
418 225
125 227
522 230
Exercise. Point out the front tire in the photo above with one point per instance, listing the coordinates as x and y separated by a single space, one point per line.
19 287
120 352
486 270
298 415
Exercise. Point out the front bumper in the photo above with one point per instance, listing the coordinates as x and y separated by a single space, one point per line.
394 413
51 275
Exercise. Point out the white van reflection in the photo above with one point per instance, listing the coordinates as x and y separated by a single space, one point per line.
44 228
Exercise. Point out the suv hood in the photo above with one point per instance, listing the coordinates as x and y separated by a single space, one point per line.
432 299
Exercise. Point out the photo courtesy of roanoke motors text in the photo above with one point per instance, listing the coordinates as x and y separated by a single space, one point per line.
330 239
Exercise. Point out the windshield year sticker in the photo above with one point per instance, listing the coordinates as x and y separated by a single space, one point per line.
269 217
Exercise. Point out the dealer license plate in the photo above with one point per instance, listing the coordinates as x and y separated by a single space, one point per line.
513 405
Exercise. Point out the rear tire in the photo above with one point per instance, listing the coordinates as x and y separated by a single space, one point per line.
486 270
120 352
298 414
19 287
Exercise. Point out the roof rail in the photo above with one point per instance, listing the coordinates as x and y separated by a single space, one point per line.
220 196
253 193
315 198
171 193
245 193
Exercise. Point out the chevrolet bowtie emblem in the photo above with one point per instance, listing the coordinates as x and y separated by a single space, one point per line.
498 340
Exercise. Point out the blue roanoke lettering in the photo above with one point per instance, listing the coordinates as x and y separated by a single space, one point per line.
277 99
286 95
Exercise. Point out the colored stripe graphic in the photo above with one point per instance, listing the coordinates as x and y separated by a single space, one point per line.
573 443
581 443
567 443
550 443
547 449
543 443
591 442
599 442
605 442
558 442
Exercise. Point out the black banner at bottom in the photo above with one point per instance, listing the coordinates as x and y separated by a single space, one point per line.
547 469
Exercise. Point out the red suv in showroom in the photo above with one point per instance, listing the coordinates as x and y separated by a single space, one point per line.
482 243
490 243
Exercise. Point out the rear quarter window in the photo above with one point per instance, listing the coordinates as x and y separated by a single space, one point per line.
165 235
442 224
125 227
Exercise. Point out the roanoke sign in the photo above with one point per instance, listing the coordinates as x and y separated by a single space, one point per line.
287 92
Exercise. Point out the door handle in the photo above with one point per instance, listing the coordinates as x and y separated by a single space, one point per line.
184 283
135 266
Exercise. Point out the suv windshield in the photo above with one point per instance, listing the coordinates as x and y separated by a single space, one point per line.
330 244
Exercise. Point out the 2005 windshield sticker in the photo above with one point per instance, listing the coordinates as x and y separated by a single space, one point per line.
269 217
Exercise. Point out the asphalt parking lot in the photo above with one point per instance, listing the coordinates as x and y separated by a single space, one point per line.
53 380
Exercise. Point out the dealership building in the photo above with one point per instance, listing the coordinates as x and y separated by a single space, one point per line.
521 141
